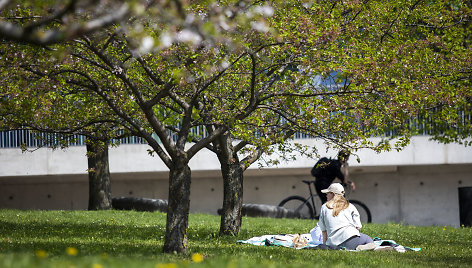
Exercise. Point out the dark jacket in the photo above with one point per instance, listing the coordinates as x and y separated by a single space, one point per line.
327 169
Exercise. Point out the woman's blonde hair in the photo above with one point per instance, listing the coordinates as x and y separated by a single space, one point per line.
337 204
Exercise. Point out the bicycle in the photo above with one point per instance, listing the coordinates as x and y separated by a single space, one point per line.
307 210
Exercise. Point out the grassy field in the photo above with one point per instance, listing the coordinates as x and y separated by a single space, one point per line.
135 239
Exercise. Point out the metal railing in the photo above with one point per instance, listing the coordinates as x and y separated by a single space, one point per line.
28 139
420 125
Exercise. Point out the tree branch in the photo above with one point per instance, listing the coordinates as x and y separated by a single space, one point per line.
205 141
70 7
33 34
139 129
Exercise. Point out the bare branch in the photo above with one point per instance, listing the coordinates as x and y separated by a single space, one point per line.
181 102
149 72
207 140
252 100
34 34
167 85
220 73
69 8
240 145
251 158
186 123
162 94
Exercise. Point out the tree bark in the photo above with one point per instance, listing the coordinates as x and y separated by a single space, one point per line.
178 208
231 216
232 173
99 176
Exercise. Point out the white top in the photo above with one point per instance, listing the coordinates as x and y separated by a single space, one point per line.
341 227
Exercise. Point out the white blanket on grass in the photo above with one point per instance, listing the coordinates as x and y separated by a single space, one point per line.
284 241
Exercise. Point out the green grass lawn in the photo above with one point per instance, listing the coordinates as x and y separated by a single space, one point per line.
99 239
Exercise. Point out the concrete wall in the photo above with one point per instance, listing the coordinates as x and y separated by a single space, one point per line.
417 186
417 195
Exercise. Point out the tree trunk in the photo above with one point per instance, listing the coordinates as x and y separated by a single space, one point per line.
232 173
231 216
99 176
178 208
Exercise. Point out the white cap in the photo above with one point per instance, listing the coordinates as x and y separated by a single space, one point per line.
336 188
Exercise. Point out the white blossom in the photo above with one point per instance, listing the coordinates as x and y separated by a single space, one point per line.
147 43
117 70
166 40
223 23
225 64
264 10
259 26
187 35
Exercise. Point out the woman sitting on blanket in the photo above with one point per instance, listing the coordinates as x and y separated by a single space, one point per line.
340 221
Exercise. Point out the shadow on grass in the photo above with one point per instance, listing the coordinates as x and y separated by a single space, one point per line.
112 248
87 238
78 230
100 237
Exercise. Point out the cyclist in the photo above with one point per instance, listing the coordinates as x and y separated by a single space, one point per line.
326 170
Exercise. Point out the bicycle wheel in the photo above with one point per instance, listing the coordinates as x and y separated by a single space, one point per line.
363 211
299 205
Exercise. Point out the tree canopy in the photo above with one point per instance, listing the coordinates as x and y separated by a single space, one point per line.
256 72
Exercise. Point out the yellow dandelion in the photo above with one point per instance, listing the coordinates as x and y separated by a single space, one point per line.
41 253
72 251
97 265
197 257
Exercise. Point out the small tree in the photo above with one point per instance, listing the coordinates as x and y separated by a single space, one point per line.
32 101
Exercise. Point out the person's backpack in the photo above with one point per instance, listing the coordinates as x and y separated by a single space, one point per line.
319 168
